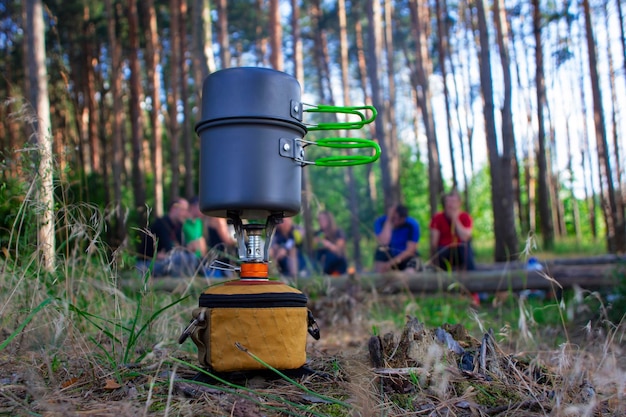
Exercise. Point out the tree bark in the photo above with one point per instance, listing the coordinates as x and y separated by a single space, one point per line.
622 31
442 50
615 126
320 54
353 201
119 229
222 33
189 162
361 63
201 44
391 190
390 104
420 27
90 54
509 158
501 179
35 64
543 194
276 37
138 168
153 58
298 66
260 41
614 213
173 99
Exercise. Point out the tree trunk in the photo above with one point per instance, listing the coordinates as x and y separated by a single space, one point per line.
260 41
545 213
353 201
390 185
469 114
390 104
105 132
361 63
201 42
423 69
35 64
622 31
457 110
153 58
189 162
501 179
276 37
442 50
614 213
509 158
615 126
222 33
90 53
298 66
173 98
321 57
138 168
117 161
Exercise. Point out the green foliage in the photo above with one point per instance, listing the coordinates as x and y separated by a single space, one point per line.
479 205
17 225
414 185
617 298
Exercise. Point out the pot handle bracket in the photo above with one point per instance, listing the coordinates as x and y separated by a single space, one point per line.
358 111
294 148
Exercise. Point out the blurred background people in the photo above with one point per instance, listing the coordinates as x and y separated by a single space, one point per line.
284 250
451 235
330 245
162 249
397 236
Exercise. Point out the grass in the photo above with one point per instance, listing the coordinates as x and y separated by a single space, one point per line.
74 343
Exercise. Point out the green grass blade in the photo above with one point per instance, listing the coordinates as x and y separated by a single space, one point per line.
25 323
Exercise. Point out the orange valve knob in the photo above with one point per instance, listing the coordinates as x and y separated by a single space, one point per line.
254 270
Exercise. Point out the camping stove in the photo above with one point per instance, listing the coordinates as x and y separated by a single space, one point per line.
251 158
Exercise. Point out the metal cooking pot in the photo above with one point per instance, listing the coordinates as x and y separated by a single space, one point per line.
250 151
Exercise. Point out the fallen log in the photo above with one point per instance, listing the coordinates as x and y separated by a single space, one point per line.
554 278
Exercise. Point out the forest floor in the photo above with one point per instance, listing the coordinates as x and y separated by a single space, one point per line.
359 367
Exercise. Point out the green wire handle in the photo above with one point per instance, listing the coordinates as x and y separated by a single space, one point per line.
353 110
347 160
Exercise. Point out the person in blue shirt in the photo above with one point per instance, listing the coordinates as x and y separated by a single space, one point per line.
397 236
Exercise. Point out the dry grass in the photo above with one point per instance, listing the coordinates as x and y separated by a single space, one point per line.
58 366
74 344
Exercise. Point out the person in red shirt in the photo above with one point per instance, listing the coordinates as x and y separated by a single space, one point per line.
451 235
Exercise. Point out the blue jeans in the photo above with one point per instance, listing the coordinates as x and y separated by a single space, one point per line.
178 263
331 263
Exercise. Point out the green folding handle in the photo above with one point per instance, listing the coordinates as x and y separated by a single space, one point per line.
350 110
347 160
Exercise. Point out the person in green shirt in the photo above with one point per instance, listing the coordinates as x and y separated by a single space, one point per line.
193 229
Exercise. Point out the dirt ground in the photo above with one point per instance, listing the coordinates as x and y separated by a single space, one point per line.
349 372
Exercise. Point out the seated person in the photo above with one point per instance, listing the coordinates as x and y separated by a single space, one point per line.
193 229
221 244
397 235
451 234
162 248
283 249
330 245
298 235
